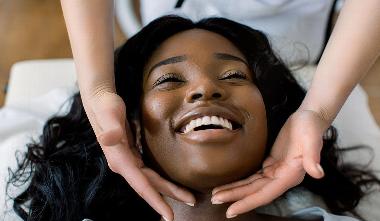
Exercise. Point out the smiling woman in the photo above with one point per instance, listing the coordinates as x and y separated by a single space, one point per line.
203 115
206 101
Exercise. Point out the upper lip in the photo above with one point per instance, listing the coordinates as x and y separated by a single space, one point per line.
220 111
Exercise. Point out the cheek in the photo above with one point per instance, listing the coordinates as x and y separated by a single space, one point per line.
157 111
251 102
157 108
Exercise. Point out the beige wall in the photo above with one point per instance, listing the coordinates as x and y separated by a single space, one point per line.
32 29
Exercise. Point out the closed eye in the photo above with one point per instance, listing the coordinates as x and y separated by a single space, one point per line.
168 78
234 75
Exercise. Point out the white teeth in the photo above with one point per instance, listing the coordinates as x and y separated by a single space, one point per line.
198 122
193 124
226 123
207 120
215 120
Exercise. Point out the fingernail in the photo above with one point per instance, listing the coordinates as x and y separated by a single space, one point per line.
216 202
166 219
190 204
319 167
229 216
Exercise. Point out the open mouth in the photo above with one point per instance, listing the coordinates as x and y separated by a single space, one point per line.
209 123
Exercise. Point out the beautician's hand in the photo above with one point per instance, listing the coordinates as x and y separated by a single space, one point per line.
298 145
90 27
295 151
106 112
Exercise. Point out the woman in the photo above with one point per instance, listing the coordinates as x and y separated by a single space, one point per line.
206 102
90 30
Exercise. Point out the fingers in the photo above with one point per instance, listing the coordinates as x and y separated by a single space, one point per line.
238 193
270 190
269 161
139 182
169 189
121 160
275 180
236 184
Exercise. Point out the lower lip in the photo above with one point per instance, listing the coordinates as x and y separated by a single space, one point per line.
210 136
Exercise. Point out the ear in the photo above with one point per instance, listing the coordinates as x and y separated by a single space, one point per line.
138 144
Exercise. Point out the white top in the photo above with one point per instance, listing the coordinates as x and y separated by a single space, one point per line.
296 28
316 212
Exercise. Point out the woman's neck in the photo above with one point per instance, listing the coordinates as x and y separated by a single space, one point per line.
205 211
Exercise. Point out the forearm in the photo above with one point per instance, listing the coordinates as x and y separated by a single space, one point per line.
90 28
351 51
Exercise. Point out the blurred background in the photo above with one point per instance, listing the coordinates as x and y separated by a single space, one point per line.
35 29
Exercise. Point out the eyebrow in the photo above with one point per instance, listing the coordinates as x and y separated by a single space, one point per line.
177 59
229 57
171 60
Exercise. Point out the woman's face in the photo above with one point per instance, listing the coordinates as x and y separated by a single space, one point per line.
203 119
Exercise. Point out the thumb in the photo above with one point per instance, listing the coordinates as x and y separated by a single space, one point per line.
110 119
311 158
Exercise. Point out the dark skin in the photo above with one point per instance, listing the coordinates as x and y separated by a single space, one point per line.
193 75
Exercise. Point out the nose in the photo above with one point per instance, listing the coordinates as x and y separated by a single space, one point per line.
205 90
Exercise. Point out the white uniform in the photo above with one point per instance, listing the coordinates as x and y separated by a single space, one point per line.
296 28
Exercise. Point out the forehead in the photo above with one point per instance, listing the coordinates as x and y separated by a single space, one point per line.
194 43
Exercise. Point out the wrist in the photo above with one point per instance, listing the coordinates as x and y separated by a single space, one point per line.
96 89
321 113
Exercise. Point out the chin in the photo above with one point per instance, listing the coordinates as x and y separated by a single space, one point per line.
205 180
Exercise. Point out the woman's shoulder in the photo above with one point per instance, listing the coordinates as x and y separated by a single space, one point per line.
300 204
319 213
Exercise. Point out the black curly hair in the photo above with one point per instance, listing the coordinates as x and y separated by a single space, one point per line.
70 179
